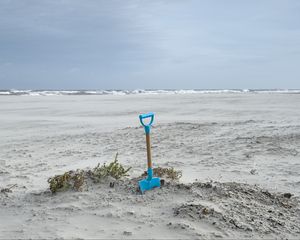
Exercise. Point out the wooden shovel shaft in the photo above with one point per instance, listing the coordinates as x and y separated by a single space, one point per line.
148 150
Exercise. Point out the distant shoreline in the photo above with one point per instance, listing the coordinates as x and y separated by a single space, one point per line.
14 92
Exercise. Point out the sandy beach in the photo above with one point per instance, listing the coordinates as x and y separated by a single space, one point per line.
238 152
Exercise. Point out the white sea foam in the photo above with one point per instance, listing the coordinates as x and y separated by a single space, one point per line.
4 93
15 92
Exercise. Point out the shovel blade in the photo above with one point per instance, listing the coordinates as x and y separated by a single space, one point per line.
148 185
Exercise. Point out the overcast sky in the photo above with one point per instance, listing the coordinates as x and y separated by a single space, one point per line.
138 44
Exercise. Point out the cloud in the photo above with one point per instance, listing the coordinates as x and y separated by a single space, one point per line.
127 43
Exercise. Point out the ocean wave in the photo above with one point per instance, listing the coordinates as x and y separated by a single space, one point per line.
14 92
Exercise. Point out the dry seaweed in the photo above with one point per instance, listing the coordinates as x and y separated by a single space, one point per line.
170 173
8 189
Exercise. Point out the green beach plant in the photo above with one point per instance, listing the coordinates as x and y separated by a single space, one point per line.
60 182
114 169
76 180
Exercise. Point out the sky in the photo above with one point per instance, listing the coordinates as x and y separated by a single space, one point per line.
149 44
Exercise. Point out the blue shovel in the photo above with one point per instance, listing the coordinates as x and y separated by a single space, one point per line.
150 182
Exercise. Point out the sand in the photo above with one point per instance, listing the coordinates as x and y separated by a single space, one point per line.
239 153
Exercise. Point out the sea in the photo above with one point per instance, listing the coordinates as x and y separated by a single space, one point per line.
14 92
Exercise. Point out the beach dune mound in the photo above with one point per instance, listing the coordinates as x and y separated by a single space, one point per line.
206 210
235 207
229 209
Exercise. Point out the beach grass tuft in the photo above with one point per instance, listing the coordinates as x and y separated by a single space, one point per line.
75 180
169 173
72 179
114 169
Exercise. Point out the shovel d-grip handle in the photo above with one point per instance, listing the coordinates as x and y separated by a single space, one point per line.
147 126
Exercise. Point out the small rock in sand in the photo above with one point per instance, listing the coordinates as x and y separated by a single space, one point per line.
130 213
126 233
287 195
